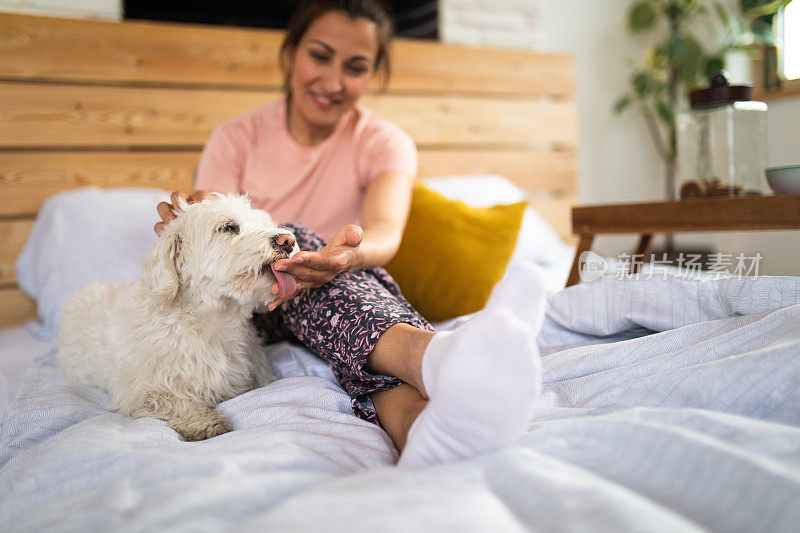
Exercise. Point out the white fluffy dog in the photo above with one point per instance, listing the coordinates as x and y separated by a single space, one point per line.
179 340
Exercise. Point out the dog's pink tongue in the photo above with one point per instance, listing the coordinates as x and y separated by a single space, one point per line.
286 283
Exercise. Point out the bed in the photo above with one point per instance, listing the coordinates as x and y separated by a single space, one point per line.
669 404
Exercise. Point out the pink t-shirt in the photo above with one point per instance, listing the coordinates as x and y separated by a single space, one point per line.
321 186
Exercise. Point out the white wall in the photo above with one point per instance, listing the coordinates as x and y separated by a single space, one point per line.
617 161
507 23
103 9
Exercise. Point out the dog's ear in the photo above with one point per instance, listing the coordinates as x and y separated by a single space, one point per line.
160 269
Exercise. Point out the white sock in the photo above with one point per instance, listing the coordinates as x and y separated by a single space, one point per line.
482 380
523 292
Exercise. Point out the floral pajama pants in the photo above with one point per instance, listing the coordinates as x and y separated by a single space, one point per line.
341 322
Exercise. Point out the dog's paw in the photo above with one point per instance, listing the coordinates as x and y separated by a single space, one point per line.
202 429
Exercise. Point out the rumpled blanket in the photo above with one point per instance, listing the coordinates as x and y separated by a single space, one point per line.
668 405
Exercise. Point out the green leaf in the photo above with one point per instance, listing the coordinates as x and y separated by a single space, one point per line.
692 6
641 17
642 84
691 61
760 8
621 104
657 57
664 111
713 65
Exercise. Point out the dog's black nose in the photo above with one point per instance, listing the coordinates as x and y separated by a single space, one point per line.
285 241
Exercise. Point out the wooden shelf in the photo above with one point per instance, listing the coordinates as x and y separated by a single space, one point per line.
755 213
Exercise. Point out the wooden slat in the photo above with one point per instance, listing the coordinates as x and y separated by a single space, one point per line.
532 171
584 245
72 115
430 67
13 235
27 178
642 251
99 51
475 121
713 214
16 307
91 50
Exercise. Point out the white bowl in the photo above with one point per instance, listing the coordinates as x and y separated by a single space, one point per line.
784 180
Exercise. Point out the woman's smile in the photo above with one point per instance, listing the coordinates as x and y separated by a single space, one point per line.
331 68
322 102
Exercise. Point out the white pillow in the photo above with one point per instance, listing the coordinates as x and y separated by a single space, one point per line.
537 242
81 236
477 190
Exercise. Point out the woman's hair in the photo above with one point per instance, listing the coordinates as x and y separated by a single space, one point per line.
310 10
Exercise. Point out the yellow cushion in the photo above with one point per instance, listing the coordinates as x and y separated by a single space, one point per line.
452 254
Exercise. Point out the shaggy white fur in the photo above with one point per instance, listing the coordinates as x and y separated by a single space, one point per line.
178 340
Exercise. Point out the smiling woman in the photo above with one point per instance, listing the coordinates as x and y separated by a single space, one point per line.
328 69
167 86
345 174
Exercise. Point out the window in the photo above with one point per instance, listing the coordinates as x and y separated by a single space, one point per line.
789 38
777 72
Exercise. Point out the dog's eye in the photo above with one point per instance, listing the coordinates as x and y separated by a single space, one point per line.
230 227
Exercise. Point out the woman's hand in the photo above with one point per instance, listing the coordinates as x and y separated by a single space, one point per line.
167 212
314 269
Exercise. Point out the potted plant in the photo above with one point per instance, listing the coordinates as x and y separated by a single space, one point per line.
679 61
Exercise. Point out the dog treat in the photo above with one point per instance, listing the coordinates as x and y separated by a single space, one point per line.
708 188
693 189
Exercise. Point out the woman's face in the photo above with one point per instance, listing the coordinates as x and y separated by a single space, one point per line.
331 69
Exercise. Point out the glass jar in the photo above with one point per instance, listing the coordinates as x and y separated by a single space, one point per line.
722 142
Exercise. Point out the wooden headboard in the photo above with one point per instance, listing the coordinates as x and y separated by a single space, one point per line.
131 104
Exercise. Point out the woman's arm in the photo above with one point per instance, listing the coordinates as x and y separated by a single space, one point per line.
374 243
384 213
383 217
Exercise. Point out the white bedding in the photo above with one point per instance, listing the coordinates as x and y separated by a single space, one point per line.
18 348
694 427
